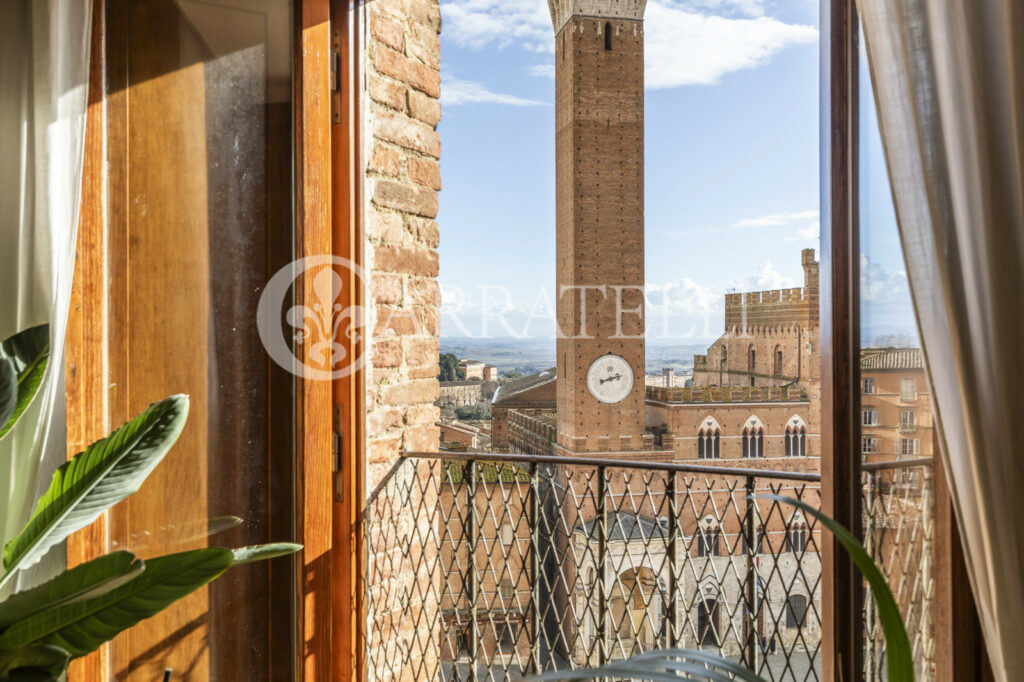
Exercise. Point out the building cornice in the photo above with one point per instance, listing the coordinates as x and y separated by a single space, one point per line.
563 10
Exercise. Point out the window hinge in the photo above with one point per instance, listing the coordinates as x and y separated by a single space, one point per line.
336 79
337 441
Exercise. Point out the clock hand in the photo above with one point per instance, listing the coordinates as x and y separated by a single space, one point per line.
612 378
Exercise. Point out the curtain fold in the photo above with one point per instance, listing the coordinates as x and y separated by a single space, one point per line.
44 49
948 79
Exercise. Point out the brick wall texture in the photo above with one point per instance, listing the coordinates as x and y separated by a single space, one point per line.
402 150
599 117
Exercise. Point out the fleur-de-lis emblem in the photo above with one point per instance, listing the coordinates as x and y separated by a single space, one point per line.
323 327
319 323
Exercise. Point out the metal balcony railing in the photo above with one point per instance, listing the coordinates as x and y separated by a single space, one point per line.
897 511
487 567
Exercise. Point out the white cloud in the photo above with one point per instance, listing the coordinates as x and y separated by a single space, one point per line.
777 219
455 91
811 232
882 288
478 23
686 47
543 70
688 42
764 278
747 8
682 297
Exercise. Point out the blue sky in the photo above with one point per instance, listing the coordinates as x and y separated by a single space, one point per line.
731 167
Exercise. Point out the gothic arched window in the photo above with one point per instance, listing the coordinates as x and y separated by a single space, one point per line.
789 442
746 443
803 442
607 35
760 442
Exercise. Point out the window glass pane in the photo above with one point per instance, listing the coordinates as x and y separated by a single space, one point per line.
199 115
896 497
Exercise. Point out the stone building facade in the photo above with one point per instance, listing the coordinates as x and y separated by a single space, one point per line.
770 337
896 415
459 393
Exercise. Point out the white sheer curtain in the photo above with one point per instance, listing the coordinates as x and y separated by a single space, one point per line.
949 87
44 50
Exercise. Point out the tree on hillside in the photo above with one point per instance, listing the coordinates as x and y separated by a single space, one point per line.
450 370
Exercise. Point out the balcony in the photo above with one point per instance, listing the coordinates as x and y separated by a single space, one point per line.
485 569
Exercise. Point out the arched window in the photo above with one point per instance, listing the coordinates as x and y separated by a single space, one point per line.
796 608
709 541
708 439
707 622
758 541
760 442
607 36
796 538
796 438
751 358
746 443
778 360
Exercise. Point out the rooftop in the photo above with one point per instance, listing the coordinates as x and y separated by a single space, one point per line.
891 358
509 390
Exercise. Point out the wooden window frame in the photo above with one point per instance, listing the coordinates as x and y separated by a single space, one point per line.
960 650
327 220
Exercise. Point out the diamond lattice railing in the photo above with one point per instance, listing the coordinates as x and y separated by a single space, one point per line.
897 511
486 569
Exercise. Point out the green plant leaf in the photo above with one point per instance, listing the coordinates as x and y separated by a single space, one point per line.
82 626
668 665
8 390
899 655
29 352
34 662
88 580
102 475
248 555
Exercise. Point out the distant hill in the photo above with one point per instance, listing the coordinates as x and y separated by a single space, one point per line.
533 355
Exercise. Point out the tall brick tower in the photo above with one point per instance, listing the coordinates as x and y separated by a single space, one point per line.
599 152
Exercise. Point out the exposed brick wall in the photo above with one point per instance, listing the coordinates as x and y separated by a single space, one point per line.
599 159
402 151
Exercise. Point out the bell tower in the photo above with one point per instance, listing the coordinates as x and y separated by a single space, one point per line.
599 161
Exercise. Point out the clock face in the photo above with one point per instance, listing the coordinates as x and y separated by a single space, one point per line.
610 378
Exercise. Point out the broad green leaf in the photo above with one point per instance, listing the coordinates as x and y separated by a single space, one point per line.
82 626
102 475
668 665
35 662
29 352
247 555
8 390
899 655
81 582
